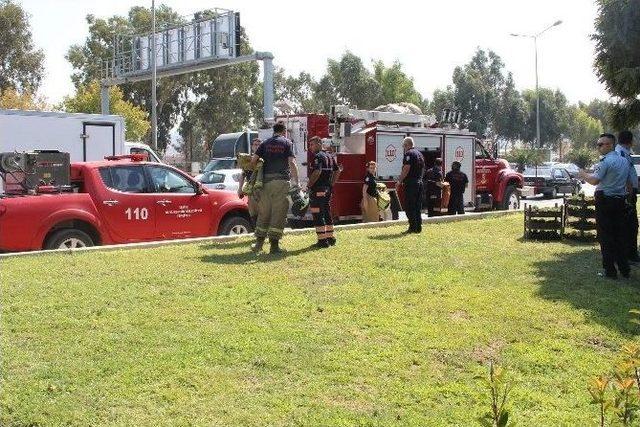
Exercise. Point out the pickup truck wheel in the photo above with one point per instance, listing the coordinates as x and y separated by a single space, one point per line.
510 201
235 225
68 239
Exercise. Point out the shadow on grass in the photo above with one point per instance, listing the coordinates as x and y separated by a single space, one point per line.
572 277
228 245
249 257
389 236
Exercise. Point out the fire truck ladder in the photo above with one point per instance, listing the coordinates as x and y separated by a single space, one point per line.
342 113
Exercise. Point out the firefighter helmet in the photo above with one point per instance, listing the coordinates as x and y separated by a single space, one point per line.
299 201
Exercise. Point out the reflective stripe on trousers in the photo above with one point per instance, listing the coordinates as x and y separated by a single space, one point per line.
320 207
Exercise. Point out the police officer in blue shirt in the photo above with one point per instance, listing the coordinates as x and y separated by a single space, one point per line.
612 178
625 141
411 178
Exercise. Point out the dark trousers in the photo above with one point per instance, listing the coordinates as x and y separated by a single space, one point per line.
610 217
433 198
456 204
413 208
320 206
631 228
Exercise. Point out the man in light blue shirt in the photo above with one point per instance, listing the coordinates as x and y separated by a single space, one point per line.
611 178
625 141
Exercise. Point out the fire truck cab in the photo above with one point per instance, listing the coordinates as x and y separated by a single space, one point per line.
360 136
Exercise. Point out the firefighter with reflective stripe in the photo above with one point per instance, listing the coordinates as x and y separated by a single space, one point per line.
324 174
278 169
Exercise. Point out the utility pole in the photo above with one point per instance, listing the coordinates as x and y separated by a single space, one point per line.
154 101
535 46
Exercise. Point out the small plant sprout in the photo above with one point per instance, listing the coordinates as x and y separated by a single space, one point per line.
598 390
500 386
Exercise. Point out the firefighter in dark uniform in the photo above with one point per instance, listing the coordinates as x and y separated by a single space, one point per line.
458 182
324 173
612 179
279 168
625 141
433 182
411 178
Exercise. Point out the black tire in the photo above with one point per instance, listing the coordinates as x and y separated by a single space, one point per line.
235 225
68 238
510 197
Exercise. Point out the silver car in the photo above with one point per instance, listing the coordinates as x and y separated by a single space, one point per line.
221 179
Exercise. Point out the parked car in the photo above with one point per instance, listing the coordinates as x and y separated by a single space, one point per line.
548 181
635 159
217 164
119 200
572 168
222 179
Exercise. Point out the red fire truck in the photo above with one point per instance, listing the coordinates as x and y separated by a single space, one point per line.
360 136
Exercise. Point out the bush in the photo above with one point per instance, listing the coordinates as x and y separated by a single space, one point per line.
582 157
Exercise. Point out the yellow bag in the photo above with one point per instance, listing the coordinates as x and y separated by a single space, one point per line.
384 198
244 161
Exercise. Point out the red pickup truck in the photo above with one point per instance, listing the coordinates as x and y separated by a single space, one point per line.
123 200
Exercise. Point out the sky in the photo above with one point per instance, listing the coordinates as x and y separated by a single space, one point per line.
428 37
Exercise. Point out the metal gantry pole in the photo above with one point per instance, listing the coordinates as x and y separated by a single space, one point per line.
154 114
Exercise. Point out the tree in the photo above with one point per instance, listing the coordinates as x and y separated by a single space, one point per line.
297 92
511 113
396 86
222 100
12 99
348 82
617 62
487 97
525 157
555 116
582 157
21 65
583 129
87 60
442 98
87 100
598 109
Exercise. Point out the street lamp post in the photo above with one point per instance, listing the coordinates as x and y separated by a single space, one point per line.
154 114
535 46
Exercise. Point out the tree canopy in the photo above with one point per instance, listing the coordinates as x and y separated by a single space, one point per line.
87 100
617 63
21 64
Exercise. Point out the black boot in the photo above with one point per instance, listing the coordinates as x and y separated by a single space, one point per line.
332 241
257 246
275 246
322 243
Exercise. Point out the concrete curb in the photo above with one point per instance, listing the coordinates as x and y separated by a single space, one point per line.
225 239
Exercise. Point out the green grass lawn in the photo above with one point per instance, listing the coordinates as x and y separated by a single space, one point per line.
382 330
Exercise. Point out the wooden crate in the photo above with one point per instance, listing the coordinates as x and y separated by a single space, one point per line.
543 223
580 218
